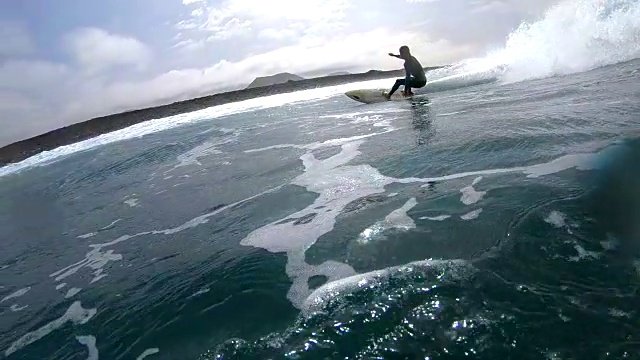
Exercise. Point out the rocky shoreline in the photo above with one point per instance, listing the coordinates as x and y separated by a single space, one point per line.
21 150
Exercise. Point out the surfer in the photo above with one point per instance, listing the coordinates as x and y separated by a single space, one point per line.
415 77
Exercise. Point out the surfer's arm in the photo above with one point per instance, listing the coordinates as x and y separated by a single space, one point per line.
394 55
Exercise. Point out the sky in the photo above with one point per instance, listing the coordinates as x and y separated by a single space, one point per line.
67 61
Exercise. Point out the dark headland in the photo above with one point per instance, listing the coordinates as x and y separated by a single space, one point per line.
21 150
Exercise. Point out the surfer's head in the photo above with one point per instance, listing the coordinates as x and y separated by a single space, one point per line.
404 51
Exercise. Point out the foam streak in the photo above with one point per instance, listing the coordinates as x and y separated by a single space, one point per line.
76 314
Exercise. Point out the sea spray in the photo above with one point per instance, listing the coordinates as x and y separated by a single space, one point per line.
573 36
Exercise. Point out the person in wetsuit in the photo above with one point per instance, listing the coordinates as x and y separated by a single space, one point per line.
415 77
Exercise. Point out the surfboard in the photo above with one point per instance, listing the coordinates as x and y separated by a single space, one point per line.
369 96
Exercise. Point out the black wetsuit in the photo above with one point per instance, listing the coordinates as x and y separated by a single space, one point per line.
415 77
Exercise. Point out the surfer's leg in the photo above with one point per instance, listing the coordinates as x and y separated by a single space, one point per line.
407 88
416 84
395 87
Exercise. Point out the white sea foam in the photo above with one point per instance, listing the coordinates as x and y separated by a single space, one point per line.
147 353
556 218
94 233
200 292
451 113
95 259
72 292
436 218
90 342
470 195
337 185
397 219
193 156
16 307
328 143
75 314
360 114
619 313
110 225
584 254
132 202
472 215
16 294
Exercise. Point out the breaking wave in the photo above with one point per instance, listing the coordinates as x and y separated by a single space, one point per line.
573 36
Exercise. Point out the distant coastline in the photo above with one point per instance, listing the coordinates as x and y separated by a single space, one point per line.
74 133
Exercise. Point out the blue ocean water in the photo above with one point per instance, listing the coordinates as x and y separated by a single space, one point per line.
493 217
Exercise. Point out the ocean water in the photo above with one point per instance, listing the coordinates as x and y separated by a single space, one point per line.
493 217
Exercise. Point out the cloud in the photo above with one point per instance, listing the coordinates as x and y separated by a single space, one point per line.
269 11
31 74
231 28
35 93
97 50
11 101
278 34
480 22
31 92
276 19
20 113
16 40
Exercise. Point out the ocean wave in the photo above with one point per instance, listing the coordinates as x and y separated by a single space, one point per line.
573 36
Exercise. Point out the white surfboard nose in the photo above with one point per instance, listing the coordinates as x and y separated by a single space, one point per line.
354 95
367 96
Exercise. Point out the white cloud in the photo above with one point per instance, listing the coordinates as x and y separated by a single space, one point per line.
480 22
23 116
12 101
31 74
31 92
229 29
279 10
15 40
362 50
277 34
273 19
97 50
